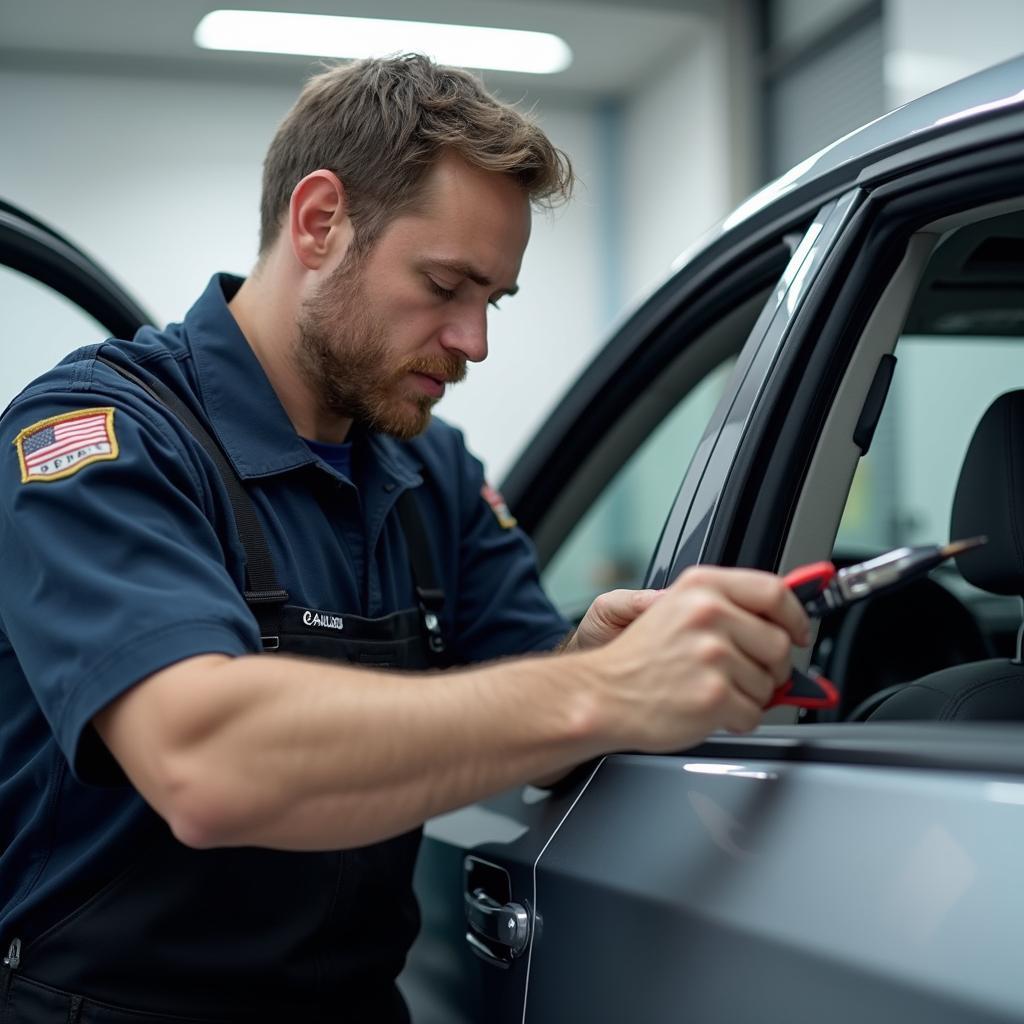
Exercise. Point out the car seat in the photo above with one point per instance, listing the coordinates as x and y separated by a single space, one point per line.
989 500
895 637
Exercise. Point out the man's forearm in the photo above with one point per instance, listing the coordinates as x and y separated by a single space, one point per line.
297 754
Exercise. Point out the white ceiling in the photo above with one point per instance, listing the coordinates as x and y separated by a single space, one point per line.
616 45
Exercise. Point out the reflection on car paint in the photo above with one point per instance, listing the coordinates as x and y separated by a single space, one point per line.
982 108
474 826
1004 792
919 893
737 771
721 826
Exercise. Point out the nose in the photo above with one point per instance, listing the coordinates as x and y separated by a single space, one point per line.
467 335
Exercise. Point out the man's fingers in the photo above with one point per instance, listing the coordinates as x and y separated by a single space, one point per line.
767 645
744 715
621 607
747 677
761 593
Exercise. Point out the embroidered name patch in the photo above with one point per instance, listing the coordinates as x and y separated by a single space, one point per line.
498 507
323 619
61 445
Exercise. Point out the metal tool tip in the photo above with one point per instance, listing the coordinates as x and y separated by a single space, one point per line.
958 547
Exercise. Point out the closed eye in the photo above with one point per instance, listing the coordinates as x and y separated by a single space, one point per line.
449 293
445 293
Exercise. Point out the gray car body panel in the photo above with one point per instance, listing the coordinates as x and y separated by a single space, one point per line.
444 981
756 889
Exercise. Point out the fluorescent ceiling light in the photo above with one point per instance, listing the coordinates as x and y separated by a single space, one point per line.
318 35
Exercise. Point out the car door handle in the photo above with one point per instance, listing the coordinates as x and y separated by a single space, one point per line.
506 924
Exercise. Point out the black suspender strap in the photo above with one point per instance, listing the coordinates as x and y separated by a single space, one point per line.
261 586
424 572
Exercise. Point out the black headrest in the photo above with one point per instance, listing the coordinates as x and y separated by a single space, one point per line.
989 499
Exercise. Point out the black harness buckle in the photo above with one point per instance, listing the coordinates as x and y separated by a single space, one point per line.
431 602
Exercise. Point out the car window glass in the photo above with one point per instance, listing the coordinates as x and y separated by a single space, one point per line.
612 543
903 489
39 327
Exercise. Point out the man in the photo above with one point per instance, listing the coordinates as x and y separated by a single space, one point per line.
224 541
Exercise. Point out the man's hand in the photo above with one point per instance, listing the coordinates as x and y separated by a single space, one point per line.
608 616
707 654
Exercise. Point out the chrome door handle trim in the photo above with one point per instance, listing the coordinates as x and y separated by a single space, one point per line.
506 924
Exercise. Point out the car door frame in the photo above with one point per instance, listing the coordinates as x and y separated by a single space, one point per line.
772 440
35 249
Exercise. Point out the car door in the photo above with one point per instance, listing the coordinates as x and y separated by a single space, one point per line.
595 489
818 870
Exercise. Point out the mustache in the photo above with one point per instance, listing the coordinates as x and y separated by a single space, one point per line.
450 369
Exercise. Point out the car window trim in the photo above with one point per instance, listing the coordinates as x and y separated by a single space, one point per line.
685 534
641 350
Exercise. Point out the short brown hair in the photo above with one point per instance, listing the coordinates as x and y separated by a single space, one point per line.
381 124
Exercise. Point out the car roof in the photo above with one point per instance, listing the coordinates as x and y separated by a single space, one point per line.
994 92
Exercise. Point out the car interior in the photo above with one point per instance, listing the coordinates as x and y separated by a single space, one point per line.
941 466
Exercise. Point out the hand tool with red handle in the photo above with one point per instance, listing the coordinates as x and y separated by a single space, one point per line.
821 589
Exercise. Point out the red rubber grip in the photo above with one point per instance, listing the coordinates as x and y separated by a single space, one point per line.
809 581
815 692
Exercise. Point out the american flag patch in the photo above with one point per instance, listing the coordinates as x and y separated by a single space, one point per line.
498 507
61 445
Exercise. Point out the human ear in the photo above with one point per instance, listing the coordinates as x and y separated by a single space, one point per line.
318 219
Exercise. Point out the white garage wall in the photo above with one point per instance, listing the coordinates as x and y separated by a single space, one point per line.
158 178
677 145
930 43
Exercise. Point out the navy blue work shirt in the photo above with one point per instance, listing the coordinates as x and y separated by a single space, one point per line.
120 557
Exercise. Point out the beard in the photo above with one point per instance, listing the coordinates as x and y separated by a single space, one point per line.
344 356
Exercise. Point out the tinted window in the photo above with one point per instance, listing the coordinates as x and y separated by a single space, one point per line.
613 542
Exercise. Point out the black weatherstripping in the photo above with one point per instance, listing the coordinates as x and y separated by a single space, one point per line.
31 247
684 536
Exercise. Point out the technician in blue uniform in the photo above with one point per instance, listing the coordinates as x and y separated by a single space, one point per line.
190 827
